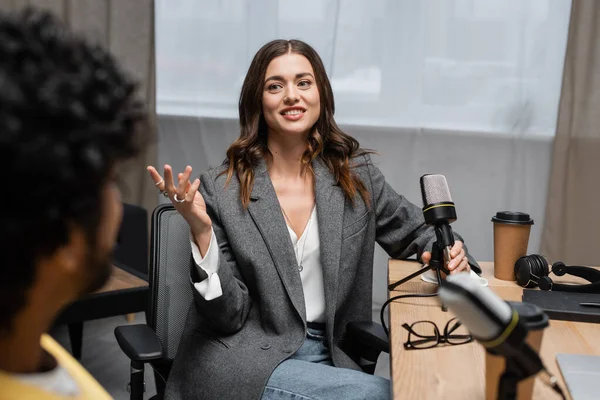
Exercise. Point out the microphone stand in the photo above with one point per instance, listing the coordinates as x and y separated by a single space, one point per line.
522 362
509 381
436 263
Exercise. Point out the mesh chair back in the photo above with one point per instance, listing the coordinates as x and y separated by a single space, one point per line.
171 293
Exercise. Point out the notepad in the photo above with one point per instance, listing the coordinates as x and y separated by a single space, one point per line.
581 373
565 305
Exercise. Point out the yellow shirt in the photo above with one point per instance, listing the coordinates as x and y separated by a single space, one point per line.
11 388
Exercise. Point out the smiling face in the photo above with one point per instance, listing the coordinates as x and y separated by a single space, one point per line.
290 102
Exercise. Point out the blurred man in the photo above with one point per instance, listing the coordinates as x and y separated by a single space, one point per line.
68 117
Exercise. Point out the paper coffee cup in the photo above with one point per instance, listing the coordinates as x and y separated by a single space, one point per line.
511 237
536 321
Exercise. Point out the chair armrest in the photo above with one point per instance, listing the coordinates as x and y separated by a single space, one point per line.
370 334
139 342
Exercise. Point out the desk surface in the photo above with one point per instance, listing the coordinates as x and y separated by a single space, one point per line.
458 372
123 293
121 279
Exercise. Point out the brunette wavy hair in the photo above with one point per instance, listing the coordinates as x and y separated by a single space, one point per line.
326 140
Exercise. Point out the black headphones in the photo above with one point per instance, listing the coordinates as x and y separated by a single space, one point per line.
532 270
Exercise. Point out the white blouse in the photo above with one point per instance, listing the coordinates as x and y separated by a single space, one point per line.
307 249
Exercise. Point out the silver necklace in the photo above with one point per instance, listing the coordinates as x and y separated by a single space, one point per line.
305 234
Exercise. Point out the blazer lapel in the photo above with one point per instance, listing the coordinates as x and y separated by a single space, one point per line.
330 212
264 210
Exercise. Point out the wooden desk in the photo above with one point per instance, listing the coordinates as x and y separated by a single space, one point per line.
458 372
123 293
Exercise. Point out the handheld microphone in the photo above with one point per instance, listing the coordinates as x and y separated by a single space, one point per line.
438 210
493 323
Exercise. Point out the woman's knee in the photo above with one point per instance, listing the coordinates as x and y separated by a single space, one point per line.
370 387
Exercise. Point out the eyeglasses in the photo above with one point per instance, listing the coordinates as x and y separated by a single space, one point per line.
425 334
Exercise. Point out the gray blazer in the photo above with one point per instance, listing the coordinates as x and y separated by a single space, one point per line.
232 344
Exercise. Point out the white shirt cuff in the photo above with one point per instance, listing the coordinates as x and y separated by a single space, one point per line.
209 288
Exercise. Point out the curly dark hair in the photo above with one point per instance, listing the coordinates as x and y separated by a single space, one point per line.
68 115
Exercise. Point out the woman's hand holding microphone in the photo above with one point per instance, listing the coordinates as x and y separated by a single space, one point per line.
187 201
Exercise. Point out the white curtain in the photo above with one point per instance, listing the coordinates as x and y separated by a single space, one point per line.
478 65
466 88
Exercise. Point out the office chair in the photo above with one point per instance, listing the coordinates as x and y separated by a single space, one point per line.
131 252
169 300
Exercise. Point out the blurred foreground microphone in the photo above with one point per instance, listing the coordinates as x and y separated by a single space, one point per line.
438 210
497 326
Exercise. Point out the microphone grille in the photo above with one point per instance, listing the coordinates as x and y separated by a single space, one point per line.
434 189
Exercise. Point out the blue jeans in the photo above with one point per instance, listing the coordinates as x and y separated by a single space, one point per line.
310 375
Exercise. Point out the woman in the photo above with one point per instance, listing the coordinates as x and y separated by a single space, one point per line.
283 236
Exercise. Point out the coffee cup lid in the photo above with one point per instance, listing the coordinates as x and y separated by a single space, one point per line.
512 217
532 315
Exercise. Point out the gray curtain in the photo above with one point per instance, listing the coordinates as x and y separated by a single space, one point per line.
126 29
572 223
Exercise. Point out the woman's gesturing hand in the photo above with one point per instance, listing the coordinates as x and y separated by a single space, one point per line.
185 197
